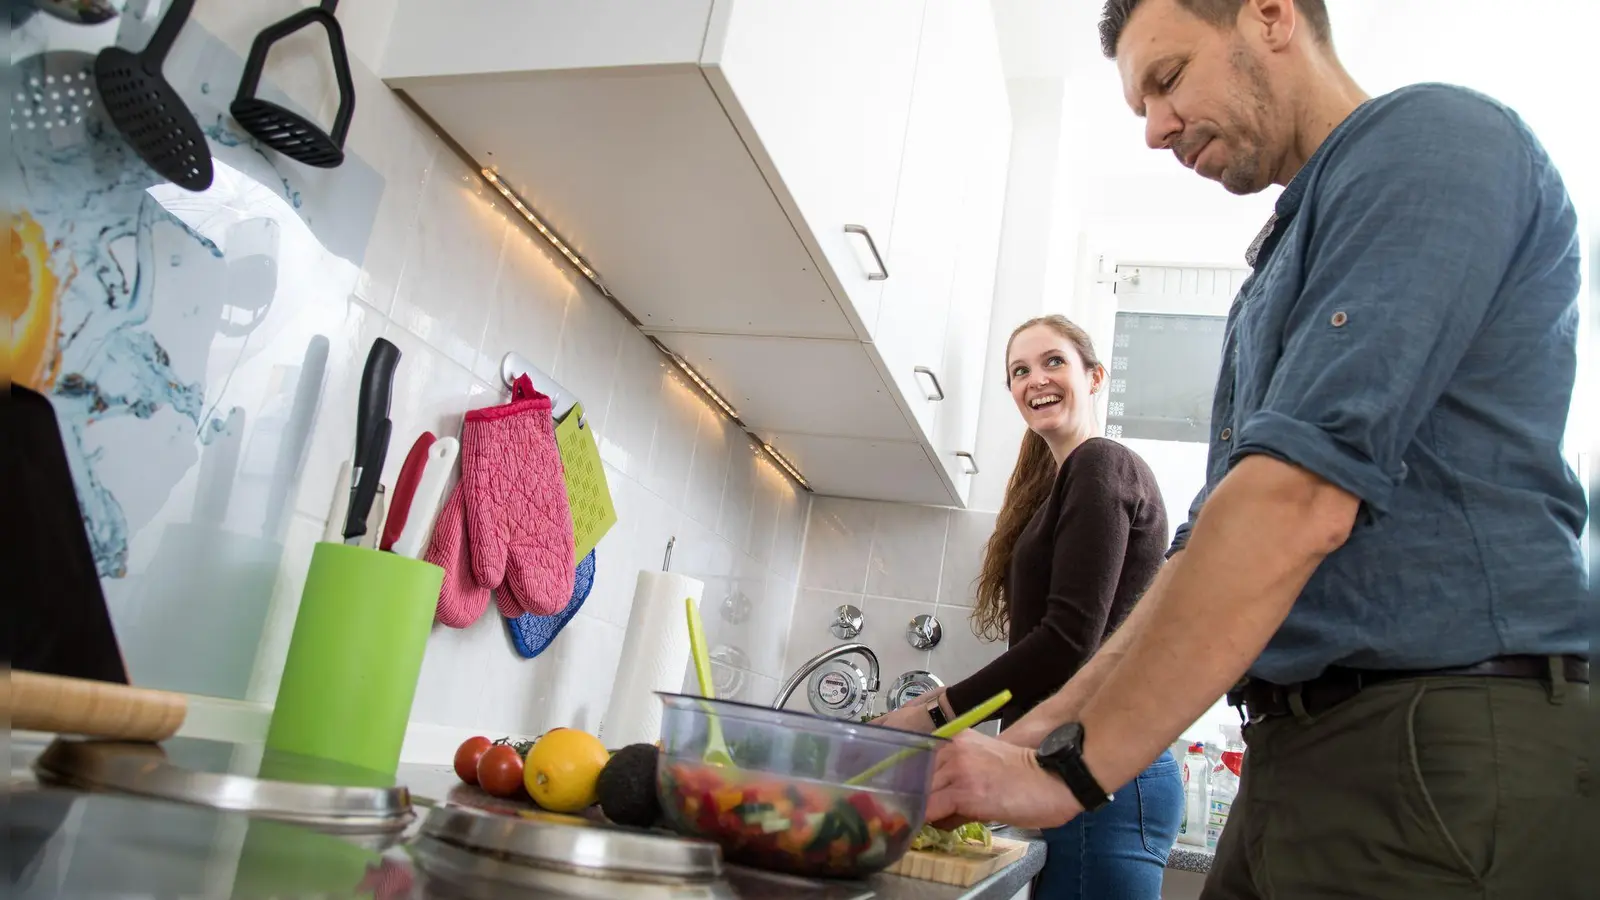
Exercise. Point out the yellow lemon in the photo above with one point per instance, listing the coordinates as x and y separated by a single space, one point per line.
28 301
563 768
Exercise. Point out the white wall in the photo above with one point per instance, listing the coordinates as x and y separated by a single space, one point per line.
455 282
894 562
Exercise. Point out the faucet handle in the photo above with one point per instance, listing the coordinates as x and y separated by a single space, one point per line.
924 632
847 622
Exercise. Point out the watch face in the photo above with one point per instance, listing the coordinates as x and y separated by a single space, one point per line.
1063 738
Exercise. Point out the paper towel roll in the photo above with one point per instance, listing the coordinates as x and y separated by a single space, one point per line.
655 654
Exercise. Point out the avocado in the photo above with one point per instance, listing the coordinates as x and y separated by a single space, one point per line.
627 786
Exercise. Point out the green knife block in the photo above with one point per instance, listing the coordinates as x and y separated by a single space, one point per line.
355 655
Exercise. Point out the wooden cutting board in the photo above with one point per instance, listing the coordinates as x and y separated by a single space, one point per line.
963 869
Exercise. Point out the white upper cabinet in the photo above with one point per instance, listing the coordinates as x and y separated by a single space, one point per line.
910 326
982 212
799 197
821 90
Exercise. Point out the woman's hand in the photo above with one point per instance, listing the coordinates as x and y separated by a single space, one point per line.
914 716
907 718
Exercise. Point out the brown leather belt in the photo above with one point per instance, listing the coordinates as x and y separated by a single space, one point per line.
1258 699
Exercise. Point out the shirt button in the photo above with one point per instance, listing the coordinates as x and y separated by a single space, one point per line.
1339 318
1226 433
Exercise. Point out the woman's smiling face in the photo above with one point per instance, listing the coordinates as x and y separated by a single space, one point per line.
1052 388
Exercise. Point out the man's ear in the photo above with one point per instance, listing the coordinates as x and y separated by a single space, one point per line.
1272 23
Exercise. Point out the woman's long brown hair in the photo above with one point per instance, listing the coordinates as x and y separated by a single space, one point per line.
1030 484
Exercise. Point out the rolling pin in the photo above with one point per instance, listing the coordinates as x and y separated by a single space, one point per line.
63 705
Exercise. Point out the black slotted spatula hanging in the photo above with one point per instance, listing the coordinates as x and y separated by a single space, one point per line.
289 132
148 112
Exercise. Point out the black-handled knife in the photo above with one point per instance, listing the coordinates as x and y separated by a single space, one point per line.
366 490
372 436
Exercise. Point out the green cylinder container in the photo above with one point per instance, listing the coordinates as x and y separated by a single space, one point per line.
354 659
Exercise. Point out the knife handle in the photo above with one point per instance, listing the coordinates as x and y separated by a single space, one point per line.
377 382
363 492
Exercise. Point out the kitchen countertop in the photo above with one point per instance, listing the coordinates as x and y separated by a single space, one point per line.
1189 858
430 785
436 784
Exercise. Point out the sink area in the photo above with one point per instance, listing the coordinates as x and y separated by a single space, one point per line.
838 689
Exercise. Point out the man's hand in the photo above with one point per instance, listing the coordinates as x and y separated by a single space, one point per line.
981 779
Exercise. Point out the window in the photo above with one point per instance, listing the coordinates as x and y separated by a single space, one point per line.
1163 373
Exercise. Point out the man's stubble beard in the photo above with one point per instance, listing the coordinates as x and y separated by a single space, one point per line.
1251 92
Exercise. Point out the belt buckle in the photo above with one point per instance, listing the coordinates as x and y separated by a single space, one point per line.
1236 699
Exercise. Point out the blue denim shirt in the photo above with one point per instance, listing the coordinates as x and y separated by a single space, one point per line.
1410 335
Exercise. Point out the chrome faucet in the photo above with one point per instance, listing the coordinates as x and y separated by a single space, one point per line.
816 662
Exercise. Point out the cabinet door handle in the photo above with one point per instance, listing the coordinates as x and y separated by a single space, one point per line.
883 271
972 463
938 391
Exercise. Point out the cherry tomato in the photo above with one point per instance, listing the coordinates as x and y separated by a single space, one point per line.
500 771
467 756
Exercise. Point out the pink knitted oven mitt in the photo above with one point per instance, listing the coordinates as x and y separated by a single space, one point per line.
519 526
461 599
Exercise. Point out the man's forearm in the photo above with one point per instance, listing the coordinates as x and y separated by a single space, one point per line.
1258 540
1066 704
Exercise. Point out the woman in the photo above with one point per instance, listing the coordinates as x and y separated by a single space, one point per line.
1080 537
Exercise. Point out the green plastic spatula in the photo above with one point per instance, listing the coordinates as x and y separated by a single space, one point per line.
716 747
948 730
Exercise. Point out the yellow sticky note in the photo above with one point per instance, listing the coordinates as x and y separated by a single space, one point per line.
593 513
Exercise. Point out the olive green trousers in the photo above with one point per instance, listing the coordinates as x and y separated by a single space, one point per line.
1430 787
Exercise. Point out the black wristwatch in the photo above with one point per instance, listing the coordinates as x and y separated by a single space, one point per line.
1061 754
937 715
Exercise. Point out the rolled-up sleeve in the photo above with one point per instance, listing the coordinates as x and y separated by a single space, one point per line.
1413 235
1180 538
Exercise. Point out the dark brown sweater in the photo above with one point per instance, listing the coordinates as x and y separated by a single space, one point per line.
1079 566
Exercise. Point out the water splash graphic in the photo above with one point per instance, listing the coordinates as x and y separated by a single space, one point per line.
90 195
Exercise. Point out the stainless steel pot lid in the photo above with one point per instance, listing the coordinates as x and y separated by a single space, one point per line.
569 844
321 794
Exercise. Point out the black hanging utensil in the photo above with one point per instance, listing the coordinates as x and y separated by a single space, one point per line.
148 112
289 132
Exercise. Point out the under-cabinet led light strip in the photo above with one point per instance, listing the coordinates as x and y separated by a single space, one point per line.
704 385
783 462
583 266
543 229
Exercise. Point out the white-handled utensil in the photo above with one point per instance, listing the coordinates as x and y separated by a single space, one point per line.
413 538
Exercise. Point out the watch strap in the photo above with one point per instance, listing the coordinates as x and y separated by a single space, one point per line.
1067 764
937 715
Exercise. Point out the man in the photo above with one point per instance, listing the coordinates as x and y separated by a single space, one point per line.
1387 546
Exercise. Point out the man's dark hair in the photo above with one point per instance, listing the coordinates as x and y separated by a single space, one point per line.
1221 13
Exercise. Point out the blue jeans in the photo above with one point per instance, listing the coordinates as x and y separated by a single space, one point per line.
1118 852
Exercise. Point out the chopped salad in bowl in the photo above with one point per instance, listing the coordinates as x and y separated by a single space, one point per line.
783 805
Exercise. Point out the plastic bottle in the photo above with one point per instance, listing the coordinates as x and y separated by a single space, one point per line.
1196 773
1224 783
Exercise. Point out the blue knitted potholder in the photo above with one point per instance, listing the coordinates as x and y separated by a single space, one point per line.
531 634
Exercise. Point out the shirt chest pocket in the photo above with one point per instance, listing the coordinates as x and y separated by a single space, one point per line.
1258 338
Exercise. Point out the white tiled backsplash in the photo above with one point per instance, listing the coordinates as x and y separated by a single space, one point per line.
895 562
455 282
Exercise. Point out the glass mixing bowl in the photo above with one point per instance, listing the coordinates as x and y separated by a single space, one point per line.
784 804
